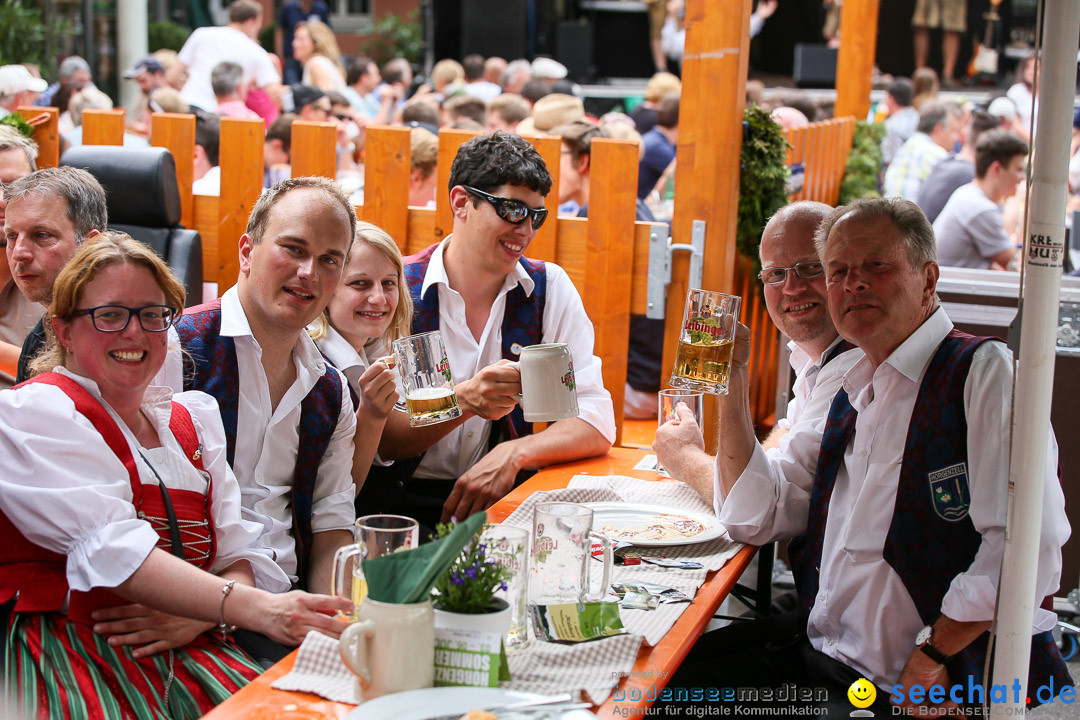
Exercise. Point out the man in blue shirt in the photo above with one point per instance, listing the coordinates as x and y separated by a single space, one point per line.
660 145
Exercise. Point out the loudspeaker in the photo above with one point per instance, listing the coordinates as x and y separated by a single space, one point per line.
815 66
573 43
494 27
621 40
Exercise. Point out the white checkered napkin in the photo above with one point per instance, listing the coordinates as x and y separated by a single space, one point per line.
591 668
320 670
523 516
712 554
652 624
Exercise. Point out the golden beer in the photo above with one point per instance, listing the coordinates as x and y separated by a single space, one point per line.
432 405
359 589
703 366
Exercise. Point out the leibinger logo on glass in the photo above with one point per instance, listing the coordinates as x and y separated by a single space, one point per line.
568 378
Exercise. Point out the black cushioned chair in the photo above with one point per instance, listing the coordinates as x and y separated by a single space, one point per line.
144 201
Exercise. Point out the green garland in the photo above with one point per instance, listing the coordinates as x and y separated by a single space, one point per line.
763 179
863 164
16 121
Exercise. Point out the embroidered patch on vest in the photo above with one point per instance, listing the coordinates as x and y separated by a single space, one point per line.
949 489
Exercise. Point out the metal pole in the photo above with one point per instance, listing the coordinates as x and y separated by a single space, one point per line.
1043 252
131 41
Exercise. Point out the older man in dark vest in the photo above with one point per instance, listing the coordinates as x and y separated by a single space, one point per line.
489 300
895 490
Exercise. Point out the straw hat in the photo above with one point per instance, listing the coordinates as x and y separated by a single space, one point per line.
551 111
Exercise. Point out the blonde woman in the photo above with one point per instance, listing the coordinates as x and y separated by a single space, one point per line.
315 46
370 309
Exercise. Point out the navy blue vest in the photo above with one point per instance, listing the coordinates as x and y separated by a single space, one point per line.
213 370
931 539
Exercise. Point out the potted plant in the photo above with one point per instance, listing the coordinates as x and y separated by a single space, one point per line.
464 595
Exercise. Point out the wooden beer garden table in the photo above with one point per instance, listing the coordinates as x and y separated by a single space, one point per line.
654 664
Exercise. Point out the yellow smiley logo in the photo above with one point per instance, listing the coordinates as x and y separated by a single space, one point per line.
862 693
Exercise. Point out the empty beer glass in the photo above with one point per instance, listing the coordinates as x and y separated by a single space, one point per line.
707 338
668 409
509 546
376 535
426 379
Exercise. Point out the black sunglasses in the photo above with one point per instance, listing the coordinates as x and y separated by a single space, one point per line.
512 211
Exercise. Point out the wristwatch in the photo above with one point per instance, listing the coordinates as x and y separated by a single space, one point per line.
923 641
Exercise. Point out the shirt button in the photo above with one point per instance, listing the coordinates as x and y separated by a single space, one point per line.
830 642
470 434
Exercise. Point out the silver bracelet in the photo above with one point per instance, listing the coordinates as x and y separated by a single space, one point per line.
223 627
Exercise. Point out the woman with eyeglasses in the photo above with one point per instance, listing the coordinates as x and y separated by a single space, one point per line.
370 309
123 558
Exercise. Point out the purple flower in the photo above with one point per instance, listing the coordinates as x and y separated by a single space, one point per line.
457 579
503 587
482 548
470 573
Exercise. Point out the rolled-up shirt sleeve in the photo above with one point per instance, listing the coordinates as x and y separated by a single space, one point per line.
66 491
972 594
565 321
332 502
235 539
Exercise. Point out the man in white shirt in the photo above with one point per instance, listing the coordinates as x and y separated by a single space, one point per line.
935 139
970 229
794 281
488 300
287 413
235 42
896 489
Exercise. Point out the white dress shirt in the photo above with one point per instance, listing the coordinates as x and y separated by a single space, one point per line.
806 373
67 492
351 362
267 439
863 615
565 321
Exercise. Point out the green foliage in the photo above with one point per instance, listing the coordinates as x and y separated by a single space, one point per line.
16 121
166 35
394 36
863 163
266 37
762 182
470 583
23 34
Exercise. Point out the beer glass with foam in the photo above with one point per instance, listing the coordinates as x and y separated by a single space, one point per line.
426 379
706 341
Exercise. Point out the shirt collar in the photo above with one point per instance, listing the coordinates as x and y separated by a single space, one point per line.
340 352
234 323
801 361
436 273
155 398
909 359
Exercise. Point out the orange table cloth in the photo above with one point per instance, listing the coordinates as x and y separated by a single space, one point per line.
654 664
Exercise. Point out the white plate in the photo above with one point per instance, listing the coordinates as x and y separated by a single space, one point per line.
619 515
429 702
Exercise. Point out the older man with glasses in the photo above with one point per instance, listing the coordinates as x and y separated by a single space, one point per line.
489 300
794 281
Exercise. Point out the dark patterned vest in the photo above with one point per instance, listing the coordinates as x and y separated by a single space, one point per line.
213 370
523 325
38 576
931 539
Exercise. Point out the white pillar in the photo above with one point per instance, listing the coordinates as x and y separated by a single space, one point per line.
131 23
1044 249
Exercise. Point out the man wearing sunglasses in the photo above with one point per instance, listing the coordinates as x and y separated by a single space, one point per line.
489 300
794 281
49 213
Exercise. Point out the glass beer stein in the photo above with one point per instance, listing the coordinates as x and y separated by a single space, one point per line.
706 341
426 379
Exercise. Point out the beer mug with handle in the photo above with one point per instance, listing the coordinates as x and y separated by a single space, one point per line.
706 341
548 387
390 648
426 379
561 553
376 535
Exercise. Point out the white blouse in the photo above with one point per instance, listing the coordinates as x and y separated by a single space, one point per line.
67 492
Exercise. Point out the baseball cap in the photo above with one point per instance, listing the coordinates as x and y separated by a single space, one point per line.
16 79
148 63
548 69
305 95
1002 108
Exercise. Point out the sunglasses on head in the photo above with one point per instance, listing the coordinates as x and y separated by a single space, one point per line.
512 211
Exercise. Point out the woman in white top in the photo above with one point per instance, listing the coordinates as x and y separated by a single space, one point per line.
315 46
121 542
370 309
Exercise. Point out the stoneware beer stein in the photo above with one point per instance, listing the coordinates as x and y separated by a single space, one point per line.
703 359
426 380
548 388
390 648
560 556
